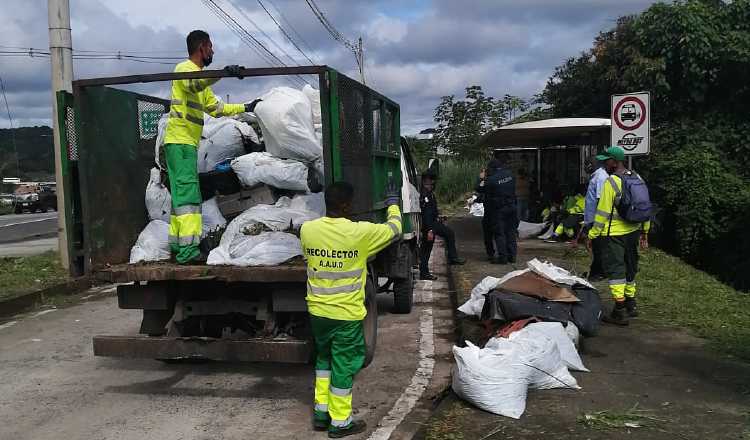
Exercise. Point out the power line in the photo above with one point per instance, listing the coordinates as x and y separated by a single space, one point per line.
258 28
250 40
283 31
338 36
291 26
45 55
12 132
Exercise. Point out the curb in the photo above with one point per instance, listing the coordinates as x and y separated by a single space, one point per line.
30 238
32 300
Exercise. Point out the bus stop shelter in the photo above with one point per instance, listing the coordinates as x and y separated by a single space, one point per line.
551 151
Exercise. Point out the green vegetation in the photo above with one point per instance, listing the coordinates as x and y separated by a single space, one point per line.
632 418
35 153
26 274
693 57
449 425
457 180
675 293
6 209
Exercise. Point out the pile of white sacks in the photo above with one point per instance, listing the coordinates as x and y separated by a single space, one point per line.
290 122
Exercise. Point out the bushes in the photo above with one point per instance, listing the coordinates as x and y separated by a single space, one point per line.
458 176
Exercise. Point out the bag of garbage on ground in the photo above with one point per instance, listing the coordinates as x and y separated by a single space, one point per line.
473 306
255 168
286 120
242 242
496 378
152 243
223 138
528 230
158 199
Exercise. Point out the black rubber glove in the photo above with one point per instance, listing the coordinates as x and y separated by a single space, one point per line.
235 70
392 193
250 107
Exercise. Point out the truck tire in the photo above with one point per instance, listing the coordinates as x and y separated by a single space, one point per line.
371 321
403 291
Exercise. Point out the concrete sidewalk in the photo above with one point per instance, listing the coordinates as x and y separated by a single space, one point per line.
689 391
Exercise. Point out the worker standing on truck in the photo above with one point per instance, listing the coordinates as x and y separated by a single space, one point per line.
337 250
191 98
621 238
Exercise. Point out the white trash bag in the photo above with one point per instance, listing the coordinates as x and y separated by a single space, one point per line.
152 243
285 118
255 168
475 304
314 96
211 217
555 273
528 230
556 332
264 249
162 131
222 140
158 199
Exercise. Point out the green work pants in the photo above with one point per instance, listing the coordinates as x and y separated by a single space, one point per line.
620 258
340 347
185 222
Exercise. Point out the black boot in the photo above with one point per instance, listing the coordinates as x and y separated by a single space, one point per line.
457 261
631 307
355 427
618 316
427 277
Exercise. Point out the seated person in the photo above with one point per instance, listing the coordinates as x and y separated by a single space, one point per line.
432 225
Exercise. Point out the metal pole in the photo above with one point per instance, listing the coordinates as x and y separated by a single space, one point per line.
630 163
61 57
361 61
539 169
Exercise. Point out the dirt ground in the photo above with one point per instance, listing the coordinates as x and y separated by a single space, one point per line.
684 390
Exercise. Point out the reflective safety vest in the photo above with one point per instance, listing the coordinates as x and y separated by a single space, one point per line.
190 99
575 204
607 222
337 250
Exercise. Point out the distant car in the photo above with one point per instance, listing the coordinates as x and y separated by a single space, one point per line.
41 200
628 113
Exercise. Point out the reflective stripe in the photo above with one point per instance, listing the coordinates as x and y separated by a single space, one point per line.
193 119
323 275
341 423
598 224
175 114
176 102
187 209
394 228
322 373
395 217
616 282
322 407
349 288
172 239
195 105
343 392
630 283
604 214
190 239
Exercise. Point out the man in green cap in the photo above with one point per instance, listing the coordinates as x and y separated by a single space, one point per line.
621 237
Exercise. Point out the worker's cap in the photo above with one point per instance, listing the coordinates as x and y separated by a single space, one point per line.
615 153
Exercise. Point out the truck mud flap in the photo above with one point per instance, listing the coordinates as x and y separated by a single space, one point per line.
164 348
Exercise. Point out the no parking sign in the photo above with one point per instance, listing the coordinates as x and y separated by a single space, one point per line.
631 122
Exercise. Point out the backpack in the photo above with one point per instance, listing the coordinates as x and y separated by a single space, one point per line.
635 204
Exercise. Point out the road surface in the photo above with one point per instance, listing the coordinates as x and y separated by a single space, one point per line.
21 227
54 388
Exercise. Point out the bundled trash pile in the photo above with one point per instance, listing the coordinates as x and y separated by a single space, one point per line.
535 318
265 185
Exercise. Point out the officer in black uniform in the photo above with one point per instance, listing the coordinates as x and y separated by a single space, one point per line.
500 205
432 225
487 234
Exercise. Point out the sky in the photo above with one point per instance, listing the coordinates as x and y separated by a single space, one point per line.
415 51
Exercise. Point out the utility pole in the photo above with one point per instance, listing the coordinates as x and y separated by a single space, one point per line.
361 61
61 56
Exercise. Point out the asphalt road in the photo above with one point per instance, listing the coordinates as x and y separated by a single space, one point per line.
54 388
22 227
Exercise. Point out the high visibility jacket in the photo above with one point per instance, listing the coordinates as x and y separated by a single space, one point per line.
190 99
337 250
575 204
607 222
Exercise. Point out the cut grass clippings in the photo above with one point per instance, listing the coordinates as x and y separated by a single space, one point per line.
630 419
19 275
672 292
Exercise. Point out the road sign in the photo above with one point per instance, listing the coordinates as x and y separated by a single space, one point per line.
631 122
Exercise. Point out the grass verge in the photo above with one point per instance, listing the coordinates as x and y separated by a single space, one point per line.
19 275
6 209
457 178
672 292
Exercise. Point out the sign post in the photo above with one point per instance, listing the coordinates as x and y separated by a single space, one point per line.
631 122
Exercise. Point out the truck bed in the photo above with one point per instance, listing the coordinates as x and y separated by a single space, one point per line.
293 271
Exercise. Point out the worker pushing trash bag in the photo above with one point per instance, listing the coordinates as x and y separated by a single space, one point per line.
623 219
191 98
337 250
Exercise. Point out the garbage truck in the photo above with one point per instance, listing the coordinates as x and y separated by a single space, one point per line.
222 312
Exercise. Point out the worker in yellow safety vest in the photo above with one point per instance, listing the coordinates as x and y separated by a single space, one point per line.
191 98
621 239
337 250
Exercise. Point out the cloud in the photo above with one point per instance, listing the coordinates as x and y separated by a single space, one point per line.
415 51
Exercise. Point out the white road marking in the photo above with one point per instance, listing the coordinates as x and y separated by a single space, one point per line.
43 312
8 324
419 381
28 222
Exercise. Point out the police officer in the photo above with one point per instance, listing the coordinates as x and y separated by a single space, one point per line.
487 234
432 225
500 205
